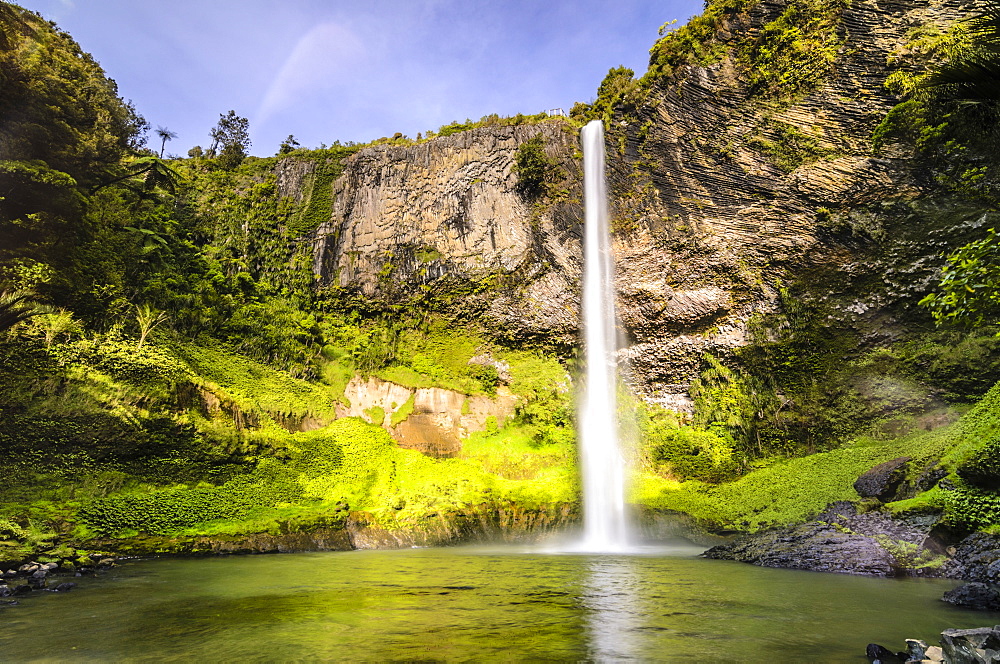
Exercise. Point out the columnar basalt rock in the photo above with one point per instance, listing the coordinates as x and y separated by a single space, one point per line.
713 219
408 216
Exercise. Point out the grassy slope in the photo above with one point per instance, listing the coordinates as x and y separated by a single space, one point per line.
225 465
795 489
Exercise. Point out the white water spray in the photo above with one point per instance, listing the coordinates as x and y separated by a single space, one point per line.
604 518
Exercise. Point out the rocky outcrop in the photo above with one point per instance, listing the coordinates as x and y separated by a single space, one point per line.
977 596
816 547
362 530
431 420
842 541
449 208
883 480
714 217
976 558
716 203
958 646
480 523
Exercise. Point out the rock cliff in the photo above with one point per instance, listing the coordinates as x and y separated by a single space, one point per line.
449 210
721 195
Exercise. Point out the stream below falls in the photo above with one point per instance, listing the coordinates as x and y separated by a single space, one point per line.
474 603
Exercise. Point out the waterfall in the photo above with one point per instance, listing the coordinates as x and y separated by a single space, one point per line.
603 466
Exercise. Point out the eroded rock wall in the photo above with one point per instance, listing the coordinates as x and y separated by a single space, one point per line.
408 216
712 223
430 420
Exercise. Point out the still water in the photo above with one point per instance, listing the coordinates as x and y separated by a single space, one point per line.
473 604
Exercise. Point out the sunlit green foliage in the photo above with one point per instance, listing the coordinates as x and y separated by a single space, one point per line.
532 167
694 42
968 294
795 52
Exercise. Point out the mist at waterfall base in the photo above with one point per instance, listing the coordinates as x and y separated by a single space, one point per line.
602 464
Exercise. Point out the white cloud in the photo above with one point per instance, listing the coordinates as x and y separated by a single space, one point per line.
320 55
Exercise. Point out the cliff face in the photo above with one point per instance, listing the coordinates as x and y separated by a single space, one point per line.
726 192
721 194
405 217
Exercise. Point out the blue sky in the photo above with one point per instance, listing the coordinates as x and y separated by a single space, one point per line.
349 70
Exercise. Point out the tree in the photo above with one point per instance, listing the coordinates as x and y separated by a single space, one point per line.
165 135
969 292
532 167
148 319
14 308
231 137
288 145
973 74
156 174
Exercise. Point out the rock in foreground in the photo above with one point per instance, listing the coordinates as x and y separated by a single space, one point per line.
818 547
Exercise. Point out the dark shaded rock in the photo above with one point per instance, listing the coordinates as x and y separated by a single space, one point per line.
880 524
64 587
968 646
882 655
883 480
817 547
976 558
978 596
916 649
929 478
38 580
838 512
5 591
21 590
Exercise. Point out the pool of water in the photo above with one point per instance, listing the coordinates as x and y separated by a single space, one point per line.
474 604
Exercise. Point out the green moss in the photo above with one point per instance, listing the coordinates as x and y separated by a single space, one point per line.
791 147
376 414
791 490
403 411
795 52
694 42
256 387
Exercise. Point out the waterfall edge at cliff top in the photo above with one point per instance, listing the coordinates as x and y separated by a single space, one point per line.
605 521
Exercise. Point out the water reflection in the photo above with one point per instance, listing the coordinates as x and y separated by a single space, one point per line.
656 605
611 596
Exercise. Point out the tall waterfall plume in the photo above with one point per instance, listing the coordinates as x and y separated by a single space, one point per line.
603 466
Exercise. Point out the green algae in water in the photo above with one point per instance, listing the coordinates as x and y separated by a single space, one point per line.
461 604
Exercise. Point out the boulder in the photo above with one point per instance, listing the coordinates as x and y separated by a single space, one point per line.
817 547
916 649
882 655
971 646
978 596
883 480
976 558
64 587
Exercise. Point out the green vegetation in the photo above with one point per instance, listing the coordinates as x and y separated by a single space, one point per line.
533 168
170 367
791 147
787 57
794 53
969 292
